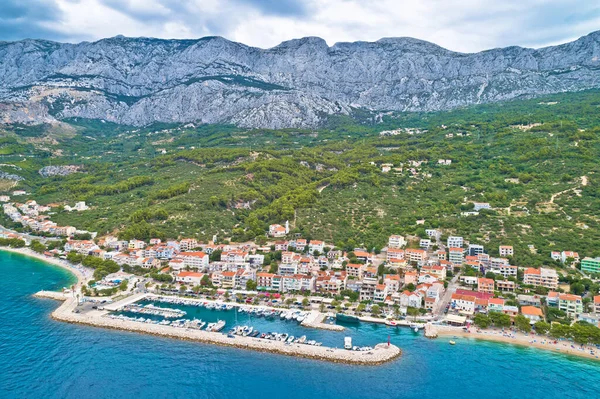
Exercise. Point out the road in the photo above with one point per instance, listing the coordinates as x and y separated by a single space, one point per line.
441 306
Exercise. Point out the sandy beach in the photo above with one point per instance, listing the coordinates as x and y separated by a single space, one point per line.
531 341
82 274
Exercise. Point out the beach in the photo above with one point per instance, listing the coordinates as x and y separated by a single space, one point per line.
528 340
82 273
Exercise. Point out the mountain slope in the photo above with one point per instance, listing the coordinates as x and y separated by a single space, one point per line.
138 81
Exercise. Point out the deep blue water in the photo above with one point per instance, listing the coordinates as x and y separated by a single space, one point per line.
40 357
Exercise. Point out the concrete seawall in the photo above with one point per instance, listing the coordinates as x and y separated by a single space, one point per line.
382 353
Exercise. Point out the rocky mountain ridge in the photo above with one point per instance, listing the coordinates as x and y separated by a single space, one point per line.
138 81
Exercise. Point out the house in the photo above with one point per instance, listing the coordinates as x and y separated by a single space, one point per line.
424 243
189 277
505 285
394 254
485 285
368 288
410 299
529 300
187 244
410 277
592 318
432 233
392 281
381 291
455 256
176 264
512 311
440 254
264 281
506 250
227 280
564 255
196 259
495 305
454 242
590 265
277 230
475 249
370 272
300 244
597 304
477 206
137 244
316 245
281 245
415 255
571 304
396 241
438 272
463 303
363 256
555 255
552 299
543 277
355 270
469 280
505 270
4 198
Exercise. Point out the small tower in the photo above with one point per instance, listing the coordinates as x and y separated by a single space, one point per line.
287 227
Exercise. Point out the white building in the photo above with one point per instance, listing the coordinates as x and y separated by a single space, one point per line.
455 242
396 241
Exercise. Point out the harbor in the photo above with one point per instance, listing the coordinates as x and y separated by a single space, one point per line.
151 320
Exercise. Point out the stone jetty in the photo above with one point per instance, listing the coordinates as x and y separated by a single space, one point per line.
381 353
315 320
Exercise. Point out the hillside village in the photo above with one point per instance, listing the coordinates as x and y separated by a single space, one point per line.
455 279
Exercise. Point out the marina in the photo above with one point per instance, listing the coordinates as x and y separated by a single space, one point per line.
255 328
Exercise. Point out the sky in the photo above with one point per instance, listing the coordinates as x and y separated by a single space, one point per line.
459 25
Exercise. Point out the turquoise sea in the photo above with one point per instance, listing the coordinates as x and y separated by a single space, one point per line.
42 358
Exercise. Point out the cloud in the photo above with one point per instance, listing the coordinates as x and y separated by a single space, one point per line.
460 25
28 19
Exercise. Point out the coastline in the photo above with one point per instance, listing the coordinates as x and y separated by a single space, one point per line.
530 341
82 275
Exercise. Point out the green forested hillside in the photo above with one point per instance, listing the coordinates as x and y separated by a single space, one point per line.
534 161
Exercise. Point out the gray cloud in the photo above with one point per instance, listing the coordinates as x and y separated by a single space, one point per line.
461 25
26 19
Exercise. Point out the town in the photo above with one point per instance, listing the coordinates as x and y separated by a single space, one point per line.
450 281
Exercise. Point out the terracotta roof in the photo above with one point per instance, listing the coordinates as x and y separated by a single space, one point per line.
190 274
531 311
496 301
532 270
569 297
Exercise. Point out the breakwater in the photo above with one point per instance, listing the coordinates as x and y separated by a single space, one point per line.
381 353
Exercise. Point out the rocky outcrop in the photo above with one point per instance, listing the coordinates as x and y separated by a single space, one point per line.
138 81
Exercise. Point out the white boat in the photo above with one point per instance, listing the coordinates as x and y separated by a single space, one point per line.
302 339
348 343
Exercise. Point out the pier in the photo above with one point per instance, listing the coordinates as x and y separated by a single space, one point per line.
380 354
315 320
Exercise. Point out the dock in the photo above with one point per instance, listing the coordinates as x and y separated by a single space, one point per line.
381 353
430 331
130 300
315 320
57 296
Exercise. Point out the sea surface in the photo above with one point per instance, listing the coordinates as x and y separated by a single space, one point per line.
42 358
